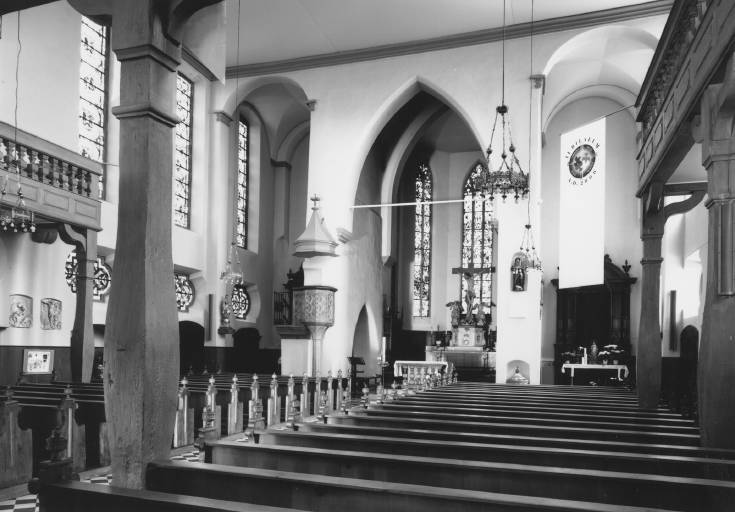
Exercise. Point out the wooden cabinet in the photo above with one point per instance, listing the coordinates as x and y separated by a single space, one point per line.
600 312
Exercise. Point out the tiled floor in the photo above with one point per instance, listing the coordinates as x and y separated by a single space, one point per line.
28 503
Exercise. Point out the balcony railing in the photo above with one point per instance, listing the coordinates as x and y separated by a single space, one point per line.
694 45
58 184
282 309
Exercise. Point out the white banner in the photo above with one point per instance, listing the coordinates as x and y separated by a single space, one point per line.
582 206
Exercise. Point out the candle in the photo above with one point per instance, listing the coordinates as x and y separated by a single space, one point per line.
382 349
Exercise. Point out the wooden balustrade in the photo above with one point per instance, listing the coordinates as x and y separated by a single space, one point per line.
697 36
56 182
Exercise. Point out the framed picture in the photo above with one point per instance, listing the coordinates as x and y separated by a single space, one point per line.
38 361
50 314
21 311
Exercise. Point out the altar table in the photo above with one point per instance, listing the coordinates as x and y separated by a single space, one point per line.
620 368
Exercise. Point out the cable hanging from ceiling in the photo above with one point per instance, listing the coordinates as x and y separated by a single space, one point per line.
17 218
528 244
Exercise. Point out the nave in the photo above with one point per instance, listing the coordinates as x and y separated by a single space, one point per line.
461 446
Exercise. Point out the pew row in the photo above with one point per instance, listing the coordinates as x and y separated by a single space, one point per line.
82 497
620 488
332 493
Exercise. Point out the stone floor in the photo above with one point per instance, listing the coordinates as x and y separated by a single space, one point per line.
28 503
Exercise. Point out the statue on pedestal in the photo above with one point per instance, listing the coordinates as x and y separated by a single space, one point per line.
469 295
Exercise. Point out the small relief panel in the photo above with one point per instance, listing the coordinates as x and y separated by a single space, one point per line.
50 314
21 311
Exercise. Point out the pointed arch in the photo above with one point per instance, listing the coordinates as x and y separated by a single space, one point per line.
387 110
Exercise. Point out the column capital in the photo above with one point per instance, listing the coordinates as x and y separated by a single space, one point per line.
223 118
539 82
652 261
170 59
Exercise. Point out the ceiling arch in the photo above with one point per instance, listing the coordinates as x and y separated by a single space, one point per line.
607 62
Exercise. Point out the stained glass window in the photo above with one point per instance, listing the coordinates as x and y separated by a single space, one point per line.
422 244
184 292
182 171
93 91
477 235
102 275
240 301
241 208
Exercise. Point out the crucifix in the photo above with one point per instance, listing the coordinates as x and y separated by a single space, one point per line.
468 274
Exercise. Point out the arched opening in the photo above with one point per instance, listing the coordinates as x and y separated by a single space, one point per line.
419 246
277 117
361 340
249 357
191 347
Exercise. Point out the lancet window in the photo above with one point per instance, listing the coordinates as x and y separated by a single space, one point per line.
241 205
477 235
422 243
93 91
182 171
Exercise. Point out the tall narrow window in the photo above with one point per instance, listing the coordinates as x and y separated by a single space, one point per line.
182 178
477 235
93 91
241 208
422 244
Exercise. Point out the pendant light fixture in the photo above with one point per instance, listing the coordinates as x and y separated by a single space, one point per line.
506 177
528 245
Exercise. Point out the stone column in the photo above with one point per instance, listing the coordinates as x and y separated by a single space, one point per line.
716 371
648 355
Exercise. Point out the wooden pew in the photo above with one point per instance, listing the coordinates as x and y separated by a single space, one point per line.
88 437
82 497
16 444
542 408
589 421
41 414
274 393
508 453
515 427
329 493
621 488
520 440
491 410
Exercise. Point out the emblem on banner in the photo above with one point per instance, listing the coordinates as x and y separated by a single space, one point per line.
581 160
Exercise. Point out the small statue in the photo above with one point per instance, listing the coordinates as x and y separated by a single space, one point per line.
518 275
594 351
454 311
469 295
225 310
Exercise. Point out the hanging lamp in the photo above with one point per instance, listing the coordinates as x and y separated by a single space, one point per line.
528 245
506 177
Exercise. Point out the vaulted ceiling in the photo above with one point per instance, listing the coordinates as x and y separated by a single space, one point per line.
274 30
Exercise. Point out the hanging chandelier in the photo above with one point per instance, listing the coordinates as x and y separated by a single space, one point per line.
232 274
528 247
16 218
507 177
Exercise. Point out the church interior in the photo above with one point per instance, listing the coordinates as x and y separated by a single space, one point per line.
269 255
